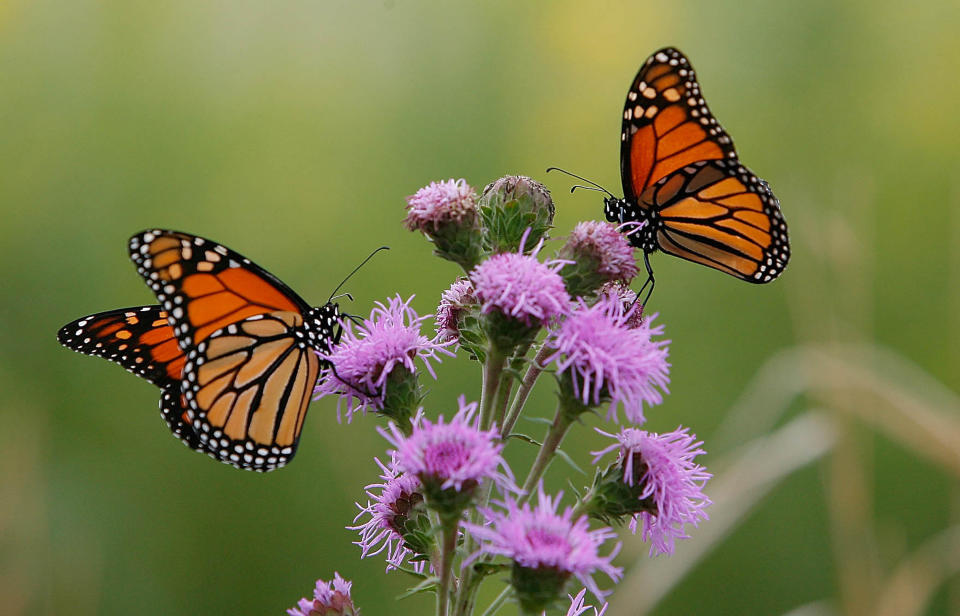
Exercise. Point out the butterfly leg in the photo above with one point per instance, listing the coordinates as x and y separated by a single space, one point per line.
650 279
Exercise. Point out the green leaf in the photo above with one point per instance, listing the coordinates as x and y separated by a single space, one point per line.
428 585
524 437
570 461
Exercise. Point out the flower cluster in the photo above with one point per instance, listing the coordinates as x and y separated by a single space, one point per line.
446 507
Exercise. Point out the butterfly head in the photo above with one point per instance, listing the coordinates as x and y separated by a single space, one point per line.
613 209
322 326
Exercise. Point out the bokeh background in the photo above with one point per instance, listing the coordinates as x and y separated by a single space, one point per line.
292 131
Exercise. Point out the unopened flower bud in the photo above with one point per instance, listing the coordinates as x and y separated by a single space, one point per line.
511 205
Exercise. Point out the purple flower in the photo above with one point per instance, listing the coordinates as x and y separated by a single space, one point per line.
628 299
521 287
600 254
440 203
607 359
390 512
454 456
388 341
577 607
543 540
331 599
453 303
670 482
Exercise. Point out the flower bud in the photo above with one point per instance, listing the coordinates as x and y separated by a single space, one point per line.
511 205
446 212
598 254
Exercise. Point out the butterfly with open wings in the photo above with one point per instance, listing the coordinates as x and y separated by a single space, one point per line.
232 348
684 184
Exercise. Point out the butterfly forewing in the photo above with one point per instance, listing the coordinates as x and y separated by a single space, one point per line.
720 214
139 338
666 124
205 286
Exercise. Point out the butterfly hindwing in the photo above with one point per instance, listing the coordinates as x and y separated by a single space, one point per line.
718 213
247 388
667 124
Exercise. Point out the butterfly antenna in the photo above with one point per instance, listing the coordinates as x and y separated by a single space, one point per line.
355 270
344 294
590 182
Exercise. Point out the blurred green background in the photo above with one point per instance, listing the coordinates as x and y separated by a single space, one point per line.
292 131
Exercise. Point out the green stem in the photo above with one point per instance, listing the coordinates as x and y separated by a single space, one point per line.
498 602
523 392
447 552
550 444
492 371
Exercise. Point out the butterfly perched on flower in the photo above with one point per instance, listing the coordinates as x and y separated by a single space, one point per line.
684 184
232 348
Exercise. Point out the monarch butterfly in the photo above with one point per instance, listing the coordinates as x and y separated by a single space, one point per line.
231 347
682 179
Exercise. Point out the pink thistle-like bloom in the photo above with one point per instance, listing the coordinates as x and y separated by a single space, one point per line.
392 503
608 358
389 340
439 203
453 302
542 539
521 287
663 466
602 243
457 455
577 607
331 599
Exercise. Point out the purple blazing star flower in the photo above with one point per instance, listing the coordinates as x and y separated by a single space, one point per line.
457 455
663 465
439 203
389 511
606 358
577 607
601 254
521 287
389 340
331 599
542 539
453 302
628 299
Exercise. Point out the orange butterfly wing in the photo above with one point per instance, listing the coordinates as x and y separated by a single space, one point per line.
250 371
141 340
666 124
719 214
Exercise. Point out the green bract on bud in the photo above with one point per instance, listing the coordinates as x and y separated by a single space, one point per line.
598 254
510 206
401 396
538 588
611 499
446 212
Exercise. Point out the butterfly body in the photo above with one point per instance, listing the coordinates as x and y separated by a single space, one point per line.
232 348
684 184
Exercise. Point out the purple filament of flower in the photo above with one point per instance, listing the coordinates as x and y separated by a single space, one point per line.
438 203
329 599
540 537
390 501
606 355
577 607
390 339
608 246
663 464
453 302
521 287
454 453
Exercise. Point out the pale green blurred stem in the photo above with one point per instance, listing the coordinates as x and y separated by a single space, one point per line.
550 444
492 373
498 602
523 392
447 552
